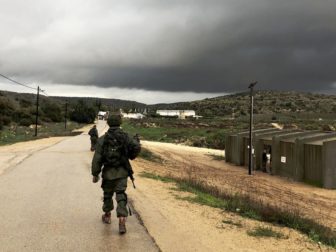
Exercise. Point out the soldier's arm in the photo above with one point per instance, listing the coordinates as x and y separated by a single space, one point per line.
97 161
134 146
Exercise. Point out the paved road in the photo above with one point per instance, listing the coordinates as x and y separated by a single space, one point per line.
48 203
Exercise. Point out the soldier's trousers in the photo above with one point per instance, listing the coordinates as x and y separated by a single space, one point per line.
93 142
117 186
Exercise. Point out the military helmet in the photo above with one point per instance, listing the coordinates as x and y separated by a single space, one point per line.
114 120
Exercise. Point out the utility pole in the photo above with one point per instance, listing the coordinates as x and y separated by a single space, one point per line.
251 86
65 114
37 108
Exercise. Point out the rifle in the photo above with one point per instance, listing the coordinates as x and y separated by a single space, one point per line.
128 165
130 174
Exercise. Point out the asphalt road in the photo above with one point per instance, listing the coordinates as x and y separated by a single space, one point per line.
48 203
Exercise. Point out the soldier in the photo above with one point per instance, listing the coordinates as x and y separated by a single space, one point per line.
93 137
264 161
112 155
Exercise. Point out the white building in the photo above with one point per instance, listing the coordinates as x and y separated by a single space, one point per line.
102 115
133 115
182 114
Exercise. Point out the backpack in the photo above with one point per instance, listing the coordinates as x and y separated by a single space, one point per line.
134 149
114 149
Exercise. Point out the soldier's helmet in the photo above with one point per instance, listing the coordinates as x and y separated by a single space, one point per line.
114 120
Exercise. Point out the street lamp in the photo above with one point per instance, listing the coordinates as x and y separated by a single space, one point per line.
251 86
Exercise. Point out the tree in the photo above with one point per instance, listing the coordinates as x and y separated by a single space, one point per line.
52 111
82 113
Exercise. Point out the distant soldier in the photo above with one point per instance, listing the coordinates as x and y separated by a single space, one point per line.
93 137
264 161
112 155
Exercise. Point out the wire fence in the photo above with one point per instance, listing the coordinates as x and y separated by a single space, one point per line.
232 180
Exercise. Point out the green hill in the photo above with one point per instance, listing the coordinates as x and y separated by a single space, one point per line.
20 108
266 103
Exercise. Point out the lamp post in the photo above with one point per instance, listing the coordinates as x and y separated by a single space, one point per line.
251 86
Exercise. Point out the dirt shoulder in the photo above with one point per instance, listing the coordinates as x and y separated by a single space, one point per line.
11 155
312 202
179 225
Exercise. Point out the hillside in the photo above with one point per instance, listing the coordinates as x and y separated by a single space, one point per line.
266 102
110 103
20 108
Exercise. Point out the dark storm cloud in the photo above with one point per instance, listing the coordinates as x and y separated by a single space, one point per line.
202 46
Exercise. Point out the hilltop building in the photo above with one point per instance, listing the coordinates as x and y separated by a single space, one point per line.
181 114
133 115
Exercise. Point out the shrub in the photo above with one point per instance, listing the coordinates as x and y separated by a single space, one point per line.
52 111
82 113
5 120
26 122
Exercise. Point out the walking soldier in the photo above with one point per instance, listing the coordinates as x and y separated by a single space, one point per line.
93 137
112 155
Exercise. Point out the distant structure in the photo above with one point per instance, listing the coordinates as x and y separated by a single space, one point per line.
102 115
307 156
133 115
181 114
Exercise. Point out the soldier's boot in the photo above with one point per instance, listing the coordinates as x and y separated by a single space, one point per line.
106 218
122 225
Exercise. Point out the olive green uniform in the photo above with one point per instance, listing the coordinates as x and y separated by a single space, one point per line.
114 175
93 137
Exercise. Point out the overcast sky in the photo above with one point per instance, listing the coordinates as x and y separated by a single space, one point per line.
163 51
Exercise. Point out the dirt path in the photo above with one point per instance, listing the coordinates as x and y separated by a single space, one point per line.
313 202
178 225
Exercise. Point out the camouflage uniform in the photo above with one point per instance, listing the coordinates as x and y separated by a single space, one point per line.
93 137
115 173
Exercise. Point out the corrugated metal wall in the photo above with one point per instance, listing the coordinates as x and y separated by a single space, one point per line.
303 161
235 153
228 149
287 151
313 164
246 151
329 164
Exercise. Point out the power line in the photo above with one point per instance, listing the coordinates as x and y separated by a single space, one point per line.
44 92
16 82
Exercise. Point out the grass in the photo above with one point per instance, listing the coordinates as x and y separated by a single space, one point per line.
217 157
176 131
156 177
150 156
14 134
247 207
265 232
233 223
314 183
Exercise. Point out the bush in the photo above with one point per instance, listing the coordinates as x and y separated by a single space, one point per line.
26 122
6 106
5 120
82 113
52 112
217 141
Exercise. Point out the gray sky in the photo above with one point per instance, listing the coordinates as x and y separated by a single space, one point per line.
169 50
